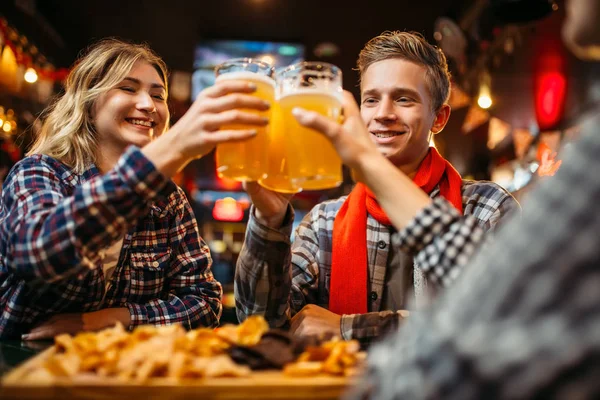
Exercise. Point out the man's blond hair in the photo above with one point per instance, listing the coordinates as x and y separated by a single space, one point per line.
68 132
410 46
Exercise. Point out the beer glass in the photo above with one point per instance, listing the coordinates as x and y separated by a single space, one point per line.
313 163
277 176
246 160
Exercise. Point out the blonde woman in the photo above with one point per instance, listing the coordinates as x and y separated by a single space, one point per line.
92 230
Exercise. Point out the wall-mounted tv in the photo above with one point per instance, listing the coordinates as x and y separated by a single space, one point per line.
209 53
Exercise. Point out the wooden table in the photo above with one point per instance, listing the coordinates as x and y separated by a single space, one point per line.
260 385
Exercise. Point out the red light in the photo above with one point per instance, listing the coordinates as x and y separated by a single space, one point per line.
550 83
551 89
228 184
228 209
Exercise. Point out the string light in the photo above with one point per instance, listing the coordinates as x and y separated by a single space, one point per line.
30 75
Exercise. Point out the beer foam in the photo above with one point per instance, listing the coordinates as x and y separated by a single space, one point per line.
245 76
313 92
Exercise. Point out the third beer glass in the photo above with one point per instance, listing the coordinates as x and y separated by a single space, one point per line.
246 160
313 163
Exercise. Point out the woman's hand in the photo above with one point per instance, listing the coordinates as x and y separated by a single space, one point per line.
351 139
61 323
74 323
199 129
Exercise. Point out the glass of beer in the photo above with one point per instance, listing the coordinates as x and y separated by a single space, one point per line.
313 163
246 160
277 176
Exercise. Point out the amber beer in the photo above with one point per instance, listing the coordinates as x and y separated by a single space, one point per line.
246 160
277 175
313 163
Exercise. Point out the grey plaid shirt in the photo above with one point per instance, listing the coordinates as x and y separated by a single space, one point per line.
276 279
523 320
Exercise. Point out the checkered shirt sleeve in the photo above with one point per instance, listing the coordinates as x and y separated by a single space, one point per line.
522 321
442 240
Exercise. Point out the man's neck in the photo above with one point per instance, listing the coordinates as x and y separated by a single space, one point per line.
411 169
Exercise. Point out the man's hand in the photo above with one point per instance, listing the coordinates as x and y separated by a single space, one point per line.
270 206
79 322
314 321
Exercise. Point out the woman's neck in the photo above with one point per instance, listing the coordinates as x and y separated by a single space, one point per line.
107 159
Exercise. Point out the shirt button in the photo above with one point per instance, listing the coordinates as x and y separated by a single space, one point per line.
373 296
381 244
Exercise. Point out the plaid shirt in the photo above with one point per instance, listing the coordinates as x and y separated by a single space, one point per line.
523 321
276 279
55 223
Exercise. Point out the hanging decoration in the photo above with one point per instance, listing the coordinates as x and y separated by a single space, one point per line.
497 132
474 119
25 55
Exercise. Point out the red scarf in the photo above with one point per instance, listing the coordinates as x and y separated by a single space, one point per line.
348 283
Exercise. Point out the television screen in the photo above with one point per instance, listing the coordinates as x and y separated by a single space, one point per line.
210 53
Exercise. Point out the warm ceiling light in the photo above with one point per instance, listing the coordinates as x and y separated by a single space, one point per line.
30 75
484 101
7 127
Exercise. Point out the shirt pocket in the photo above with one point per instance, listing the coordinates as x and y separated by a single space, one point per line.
148 269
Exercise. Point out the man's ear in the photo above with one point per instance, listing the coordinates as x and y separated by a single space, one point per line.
441 119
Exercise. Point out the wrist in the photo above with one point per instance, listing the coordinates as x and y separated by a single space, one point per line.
97 320
369 164
165 153
272 221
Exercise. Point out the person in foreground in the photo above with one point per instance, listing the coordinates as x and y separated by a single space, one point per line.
92 229
346 274
523 320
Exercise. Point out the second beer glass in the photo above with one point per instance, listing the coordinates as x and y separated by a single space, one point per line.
246 160
312 162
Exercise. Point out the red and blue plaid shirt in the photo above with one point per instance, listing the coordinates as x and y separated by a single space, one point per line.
54 223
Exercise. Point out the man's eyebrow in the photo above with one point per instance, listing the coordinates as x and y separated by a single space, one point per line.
394 91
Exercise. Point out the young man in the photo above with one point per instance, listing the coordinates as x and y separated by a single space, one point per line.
345 274
523 320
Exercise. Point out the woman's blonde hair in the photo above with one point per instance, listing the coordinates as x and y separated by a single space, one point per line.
410 46
68 132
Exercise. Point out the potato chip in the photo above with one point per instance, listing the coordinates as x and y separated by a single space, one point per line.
173 353
303 368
